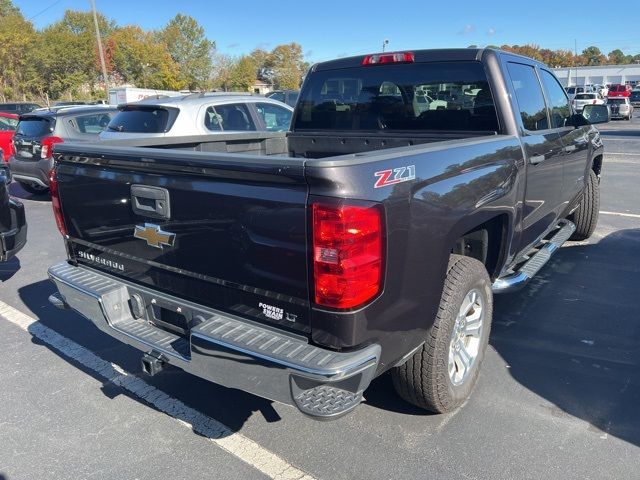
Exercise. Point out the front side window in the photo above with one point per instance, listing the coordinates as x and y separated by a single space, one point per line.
529 96
276 118
558 101
453 96
279 96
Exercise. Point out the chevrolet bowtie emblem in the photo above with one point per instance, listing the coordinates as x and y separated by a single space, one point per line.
154 235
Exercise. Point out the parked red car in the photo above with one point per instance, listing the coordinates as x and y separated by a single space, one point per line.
8 125
619 90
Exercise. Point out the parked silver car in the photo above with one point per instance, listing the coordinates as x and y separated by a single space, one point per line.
198 114
620 107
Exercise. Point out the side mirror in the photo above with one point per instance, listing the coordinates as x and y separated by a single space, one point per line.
595 114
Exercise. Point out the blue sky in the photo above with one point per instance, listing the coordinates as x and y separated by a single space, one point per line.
328 28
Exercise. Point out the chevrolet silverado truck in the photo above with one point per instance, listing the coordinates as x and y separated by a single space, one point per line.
371 237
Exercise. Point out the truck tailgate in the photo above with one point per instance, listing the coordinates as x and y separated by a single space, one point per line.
224 231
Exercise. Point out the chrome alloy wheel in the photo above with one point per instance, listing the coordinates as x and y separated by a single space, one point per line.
465 337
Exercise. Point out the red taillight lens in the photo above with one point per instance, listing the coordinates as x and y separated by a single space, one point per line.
47 146
55 202
394 57
347 254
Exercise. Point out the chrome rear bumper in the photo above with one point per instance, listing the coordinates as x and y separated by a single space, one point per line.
223 348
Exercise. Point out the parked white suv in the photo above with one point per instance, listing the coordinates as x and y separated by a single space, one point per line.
197 114
582 99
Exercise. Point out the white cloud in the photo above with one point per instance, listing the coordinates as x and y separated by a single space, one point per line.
491 32
468 29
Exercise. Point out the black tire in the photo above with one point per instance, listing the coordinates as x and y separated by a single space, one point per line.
585 217
34 190
424 379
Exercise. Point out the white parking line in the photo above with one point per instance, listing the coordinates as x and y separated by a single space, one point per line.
234 443
632 215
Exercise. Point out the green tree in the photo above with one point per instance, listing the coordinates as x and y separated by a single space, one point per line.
137 58
243 74
593 56
8 8
17 41
221 69
288 65
190 49
617 57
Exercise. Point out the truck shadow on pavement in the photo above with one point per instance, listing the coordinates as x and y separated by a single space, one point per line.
572 336
16 190
8 270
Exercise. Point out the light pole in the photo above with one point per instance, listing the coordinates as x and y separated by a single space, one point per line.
384 44
100 51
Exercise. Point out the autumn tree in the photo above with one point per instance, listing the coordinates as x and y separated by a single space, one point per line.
288 66
221 71
139 59
190 49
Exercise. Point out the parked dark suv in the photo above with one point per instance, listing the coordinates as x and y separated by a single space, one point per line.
18 108
38 131
290 97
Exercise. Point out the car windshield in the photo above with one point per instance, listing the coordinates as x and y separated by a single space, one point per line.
615 101
585 96
422 96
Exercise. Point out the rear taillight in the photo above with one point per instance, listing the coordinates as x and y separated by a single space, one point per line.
47 146
347 254
394 57
55 202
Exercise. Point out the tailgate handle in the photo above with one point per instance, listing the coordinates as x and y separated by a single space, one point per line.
150 201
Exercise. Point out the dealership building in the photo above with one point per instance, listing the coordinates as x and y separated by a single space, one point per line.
598 74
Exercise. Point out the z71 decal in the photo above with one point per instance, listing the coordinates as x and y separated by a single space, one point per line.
395 175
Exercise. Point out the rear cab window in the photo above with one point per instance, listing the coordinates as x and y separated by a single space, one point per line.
140 119
433 96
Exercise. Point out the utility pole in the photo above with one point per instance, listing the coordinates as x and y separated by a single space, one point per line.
384 44
575 55
101 52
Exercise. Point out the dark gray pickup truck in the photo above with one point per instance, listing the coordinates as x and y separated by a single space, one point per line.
371 237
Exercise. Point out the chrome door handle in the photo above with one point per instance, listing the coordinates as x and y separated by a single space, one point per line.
536 159
569 148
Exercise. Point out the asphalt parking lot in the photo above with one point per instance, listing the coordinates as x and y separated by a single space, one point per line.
557 397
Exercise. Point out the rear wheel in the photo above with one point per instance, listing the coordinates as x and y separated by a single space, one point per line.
585 217
34 188
441 374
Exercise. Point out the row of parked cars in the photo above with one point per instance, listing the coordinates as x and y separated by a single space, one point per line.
27 139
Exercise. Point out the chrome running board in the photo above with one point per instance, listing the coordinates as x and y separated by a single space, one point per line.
515 280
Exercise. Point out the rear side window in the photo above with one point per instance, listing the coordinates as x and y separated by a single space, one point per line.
529 96
276 118
559 103
140 120
8 124
233 117
35 127
453 96
90 124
